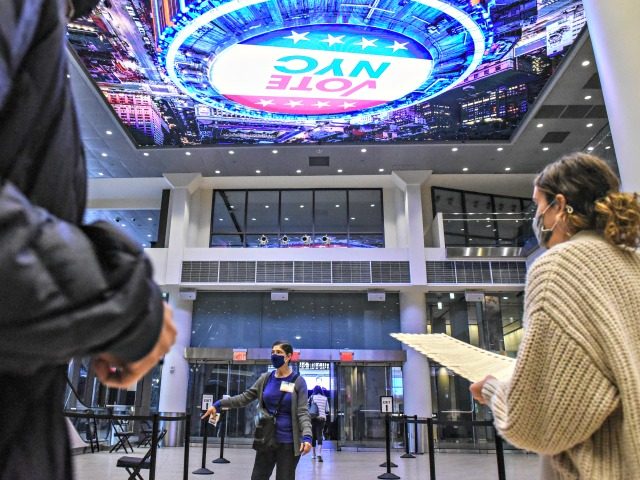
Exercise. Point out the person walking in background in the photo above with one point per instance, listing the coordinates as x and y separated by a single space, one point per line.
283 395
65 290
574 393
318 418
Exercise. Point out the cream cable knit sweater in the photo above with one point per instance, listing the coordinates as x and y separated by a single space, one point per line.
575 392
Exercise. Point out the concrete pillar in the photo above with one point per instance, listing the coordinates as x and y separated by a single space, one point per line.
410 182
616 43
416 375
175 370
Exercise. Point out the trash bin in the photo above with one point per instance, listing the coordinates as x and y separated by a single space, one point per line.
175 430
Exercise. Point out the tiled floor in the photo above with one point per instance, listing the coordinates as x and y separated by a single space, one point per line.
342 465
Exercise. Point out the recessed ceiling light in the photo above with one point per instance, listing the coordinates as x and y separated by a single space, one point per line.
337 205
363 150
588 97
465 169
545 149
454 149
217 172
373 204
301 206
589 125
101 174
500 149
187 154
298 171
148 235
68 76
146 154
607 147
507 169
339 170
258 171
298 337
353 218
109 132
540 125
274 151
231 152
150 219
505 298
590 149
286 219
266 206
586 63
381 170
103 154
253 219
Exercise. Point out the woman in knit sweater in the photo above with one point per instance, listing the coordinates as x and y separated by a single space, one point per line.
575 393
284 395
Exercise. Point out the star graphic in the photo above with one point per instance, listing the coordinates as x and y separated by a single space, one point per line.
264 102
364 43
331 40
398 46
348 104
294 103
320 104
296 37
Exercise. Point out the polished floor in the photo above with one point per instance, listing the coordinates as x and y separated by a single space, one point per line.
336 466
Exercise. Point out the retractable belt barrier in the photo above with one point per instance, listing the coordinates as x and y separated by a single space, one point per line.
155 419
430 422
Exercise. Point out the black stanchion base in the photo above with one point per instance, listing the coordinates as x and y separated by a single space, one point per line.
220 460
202 471
407 455
391 476
384 465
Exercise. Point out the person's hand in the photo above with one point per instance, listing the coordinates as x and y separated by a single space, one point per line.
113 372
211 412
305 447
476 389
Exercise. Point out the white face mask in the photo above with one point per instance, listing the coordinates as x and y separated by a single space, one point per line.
543 235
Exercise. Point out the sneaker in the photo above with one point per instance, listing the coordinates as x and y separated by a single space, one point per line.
320 458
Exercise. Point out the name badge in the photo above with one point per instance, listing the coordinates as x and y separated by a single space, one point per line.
287 387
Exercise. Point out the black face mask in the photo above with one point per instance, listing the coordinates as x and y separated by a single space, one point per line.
82 8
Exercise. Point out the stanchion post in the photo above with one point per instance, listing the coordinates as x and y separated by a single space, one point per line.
187 438
415 436
154 448
203 470
223 427
407 454
388 464
499 456
432 451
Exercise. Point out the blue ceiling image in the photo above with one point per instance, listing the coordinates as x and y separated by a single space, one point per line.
179 72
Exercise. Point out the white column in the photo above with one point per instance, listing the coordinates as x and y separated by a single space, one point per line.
616 43
175 370
410 182
416 377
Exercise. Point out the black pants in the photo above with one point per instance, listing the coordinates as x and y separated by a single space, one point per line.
281 457
317 425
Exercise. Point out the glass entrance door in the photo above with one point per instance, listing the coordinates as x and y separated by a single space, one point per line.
360 387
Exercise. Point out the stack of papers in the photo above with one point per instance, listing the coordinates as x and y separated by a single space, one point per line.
470 362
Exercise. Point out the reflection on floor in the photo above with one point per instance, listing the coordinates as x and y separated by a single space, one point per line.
336 465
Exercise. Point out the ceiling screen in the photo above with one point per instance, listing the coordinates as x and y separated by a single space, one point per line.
180 72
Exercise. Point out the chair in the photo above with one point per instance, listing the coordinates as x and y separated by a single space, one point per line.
146 431
122 435
133 465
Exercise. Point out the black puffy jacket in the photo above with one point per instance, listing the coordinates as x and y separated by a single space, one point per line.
64 290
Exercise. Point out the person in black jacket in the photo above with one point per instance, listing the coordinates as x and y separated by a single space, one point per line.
65 290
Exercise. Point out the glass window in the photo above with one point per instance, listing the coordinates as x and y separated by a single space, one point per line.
228 211
330 210
262 211
296 211
447 201
365 211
